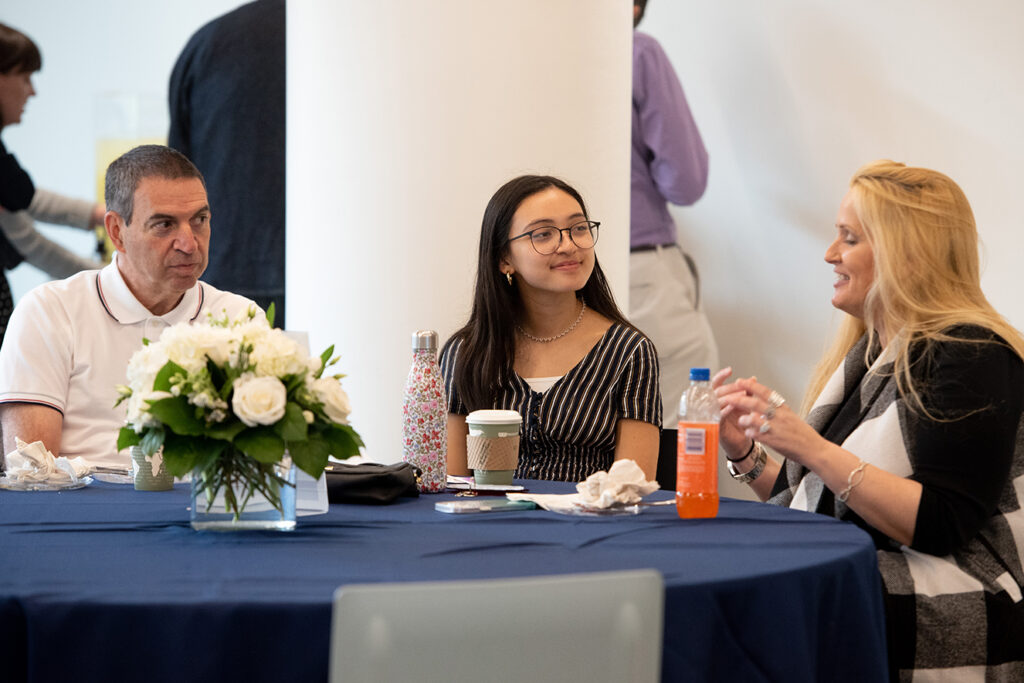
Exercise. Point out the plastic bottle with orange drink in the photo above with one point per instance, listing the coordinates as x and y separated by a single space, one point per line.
697 461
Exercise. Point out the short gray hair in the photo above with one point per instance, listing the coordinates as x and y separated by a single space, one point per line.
145 161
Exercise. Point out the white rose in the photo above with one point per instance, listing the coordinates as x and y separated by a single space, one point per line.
259 400
328 391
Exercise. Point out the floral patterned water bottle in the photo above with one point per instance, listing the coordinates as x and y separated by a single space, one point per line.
425 415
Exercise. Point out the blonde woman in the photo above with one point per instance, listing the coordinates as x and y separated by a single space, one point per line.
913 426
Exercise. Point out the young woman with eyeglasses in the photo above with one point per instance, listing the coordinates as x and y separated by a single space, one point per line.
546 339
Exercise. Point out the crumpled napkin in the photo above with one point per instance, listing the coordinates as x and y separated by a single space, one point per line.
623 484
32 463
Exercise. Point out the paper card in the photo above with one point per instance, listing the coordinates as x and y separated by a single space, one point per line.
310 494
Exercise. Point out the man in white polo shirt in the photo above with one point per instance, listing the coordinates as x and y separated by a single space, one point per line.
69 341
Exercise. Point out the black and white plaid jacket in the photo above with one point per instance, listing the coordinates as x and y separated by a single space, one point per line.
956 614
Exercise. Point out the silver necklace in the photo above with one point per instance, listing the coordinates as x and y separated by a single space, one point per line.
545 340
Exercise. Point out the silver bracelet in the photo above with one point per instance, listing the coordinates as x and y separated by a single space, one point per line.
760 459
852 481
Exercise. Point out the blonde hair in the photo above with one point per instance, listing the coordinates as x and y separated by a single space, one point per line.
927 279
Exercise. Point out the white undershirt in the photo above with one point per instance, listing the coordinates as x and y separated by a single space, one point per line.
541 384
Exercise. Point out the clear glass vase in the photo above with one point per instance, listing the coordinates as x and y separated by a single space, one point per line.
250 504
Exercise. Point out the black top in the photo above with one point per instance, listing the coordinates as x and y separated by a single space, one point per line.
960 454
962 459
227 106
16 192
568 432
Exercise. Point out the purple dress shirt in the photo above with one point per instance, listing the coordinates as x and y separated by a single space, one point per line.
669 162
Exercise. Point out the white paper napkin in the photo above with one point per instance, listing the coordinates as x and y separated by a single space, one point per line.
623 484
31 462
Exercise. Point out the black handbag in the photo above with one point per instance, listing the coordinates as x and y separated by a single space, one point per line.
371 483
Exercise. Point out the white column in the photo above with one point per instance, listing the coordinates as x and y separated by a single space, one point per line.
404 116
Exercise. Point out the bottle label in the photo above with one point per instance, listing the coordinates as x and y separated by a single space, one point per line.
693 440
697 462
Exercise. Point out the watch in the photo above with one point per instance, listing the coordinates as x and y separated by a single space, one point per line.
760 459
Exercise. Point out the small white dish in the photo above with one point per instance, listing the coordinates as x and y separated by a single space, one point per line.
9 485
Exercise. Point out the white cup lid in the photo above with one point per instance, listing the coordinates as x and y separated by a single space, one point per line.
494 417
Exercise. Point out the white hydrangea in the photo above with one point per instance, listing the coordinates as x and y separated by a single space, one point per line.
190 345
142 370
278 355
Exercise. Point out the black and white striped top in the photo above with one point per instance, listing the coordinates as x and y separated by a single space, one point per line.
568 432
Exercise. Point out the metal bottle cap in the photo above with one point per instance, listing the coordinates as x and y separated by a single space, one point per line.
424 340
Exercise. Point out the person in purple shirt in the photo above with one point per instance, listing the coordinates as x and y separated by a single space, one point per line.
669 164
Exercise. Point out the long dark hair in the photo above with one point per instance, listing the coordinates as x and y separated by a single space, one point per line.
488 339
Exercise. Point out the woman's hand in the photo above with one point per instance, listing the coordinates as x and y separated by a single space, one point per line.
884 500
751 407
731 434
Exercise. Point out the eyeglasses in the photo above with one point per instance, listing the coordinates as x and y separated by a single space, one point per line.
546 240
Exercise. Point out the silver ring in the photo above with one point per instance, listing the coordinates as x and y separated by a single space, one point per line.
765 427
775 401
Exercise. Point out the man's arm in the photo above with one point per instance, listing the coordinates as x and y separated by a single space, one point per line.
31 422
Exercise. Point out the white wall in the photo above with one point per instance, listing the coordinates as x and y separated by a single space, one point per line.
390 167
792 96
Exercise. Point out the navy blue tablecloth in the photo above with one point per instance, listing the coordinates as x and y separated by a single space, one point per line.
107 583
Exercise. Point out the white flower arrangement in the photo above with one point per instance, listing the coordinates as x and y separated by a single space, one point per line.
226 399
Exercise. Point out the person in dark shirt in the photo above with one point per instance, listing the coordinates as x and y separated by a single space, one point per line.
227 107
913 426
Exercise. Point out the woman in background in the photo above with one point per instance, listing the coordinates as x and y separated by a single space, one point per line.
913 427
20 202
546 339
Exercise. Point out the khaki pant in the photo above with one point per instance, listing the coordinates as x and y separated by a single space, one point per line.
664 303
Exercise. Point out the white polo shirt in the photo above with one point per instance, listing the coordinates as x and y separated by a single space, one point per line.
68 344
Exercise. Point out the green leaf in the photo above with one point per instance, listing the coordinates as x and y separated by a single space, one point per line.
184 454
343 441
292 427
152 441
310 455
229 384
206 453
324 357
163 378
127 438
217 375
261 444
271 313
178 415
226 431
292 383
